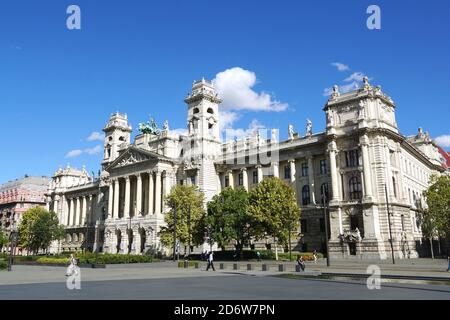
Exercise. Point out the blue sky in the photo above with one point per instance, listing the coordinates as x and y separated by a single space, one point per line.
140 57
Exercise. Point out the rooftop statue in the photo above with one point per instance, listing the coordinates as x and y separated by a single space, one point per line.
149 128
309 127
291 132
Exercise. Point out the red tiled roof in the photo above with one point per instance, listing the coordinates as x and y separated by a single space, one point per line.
446 156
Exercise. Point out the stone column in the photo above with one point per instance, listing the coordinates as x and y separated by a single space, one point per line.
78 212
312 187
366 168
84 210
402 194
276 170
69 212
116 199
230 178
260 173
126 210
388 172
55 206
158 193
151 184
64 213
111 199
167 185
332 148
293 173
90 215
139 195
245 178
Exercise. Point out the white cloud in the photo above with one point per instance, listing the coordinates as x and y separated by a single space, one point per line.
96 136
93 151
227 118
340 66
74 153
355 76
443 141
354 82
254 126
235 85
180 131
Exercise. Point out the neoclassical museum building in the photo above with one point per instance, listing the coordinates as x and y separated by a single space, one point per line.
359 157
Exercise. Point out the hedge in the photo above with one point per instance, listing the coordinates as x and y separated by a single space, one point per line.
3 264
228 255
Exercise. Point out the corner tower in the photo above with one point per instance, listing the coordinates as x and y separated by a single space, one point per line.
117 135
204 136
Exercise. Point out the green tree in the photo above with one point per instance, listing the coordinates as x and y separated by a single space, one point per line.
436 217
187 203
273 205
230 219
3 239
38 228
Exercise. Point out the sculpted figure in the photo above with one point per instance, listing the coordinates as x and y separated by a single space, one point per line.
308 127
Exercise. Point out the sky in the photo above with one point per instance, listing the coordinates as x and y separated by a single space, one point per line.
272 61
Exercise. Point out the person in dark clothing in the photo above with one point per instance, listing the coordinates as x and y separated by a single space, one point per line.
210 262
301 262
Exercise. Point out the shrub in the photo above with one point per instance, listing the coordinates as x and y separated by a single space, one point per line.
49 260
3 264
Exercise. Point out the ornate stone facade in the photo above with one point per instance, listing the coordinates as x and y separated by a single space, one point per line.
351 164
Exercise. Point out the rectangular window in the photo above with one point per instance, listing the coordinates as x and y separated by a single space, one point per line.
241 179
323 166
193 180
352 158
304 169
227 181
303 226
287 172
255 177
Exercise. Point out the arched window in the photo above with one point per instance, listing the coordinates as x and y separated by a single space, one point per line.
108 152
210 110
305 195
355 188
196 110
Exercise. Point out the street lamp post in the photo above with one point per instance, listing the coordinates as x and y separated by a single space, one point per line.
12 241
174 234
189 230
324 200
391 240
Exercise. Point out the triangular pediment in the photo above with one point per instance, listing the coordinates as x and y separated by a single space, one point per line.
135 155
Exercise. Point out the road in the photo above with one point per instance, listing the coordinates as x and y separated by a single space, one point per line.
166 282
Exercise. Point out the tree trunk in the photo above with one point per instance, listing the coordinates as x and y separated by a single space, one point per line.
439 247
276 249
290 247
431 248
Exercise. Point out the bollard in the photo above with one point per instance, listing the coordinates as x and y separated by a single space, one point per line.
250 267
235 266
265 267
222 266
186 264
282 267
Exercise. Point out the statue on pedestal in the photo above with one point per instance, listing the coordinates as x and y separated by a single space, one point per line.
308 128
291 132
